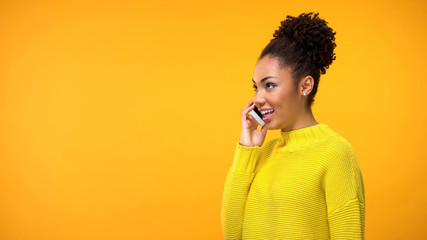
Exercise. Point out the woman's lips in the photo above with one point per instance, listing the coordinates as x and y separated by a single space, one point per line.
267 116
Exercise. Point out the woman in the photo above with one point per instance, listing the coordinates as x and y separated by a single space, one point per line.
306 184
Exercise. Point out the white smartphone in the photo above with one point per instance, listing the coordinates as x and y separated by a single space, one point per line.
257 115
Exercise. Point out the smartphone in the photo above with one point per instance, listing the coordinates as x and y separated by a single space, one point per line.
257 115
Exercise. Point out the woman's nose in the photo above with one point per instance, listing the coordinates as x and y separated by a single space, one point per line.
259 100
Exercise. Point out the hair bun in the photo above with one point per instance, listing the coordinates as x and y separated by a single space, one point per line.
313 34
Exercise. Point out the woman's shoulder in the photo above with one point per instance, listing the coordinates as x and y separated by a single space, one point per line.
337 141
335 138
338 149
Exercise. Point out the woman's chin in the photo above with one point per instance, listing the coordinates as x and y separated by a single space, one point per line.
269 125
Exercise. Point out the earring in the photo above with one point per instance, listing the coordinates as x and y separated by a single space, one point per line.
304 94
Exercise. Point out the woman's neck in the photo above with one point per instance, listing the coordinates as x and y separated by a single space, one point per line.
306 119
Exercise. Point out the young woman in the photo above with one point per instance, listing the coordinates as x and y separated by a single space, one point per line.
306 184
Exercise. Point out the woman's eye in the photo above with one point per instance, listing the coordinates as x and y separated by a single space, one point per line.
269 84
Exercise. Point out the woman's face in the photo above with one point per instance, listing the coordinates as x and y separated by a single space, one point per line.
274 89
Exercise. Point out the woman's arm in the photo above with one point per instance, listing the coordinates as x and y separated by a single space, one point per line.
236 190
345 196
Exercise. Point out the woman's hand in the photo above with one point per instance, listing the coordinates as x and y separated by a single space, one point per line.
250 136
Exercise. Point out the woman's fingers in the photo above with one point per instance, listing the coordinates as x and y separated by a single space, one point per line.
250 135
246 116
264 129
248 108
250 104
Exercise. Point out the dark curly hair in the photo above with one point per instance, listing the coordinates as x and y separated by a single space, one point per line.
305 44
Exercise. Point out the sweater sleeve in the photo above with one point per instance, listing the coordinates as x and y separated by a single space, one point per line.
237 185
345 197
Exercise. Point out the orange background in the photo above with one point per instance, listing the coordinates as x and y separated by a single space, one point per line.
119 118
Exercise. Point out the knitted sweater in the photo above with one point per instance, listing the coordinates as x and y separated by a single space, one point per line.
304 185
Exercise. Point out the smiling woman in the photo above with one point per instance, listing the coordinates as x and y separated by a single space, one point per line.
306 184
278 93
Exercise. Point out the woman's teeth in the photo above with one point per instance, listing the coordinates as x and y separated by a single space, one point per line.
267 111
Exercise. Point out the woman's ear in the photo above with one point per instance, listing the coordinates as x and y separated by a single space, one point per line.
306 85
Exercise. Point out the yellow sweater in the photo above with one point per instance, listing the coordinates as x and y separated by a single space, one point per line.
305 185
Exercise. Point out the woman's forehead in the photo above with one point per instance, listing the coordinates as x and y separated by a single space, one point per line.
268 66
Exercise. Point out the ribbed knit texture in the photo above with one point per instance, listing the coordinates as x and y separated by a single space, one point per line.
305 185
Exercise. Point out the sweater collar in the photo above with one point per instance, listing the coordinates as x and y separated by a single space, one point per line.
303 138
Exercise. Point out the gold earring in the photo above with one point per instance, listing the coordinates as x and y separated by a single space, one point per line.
304 94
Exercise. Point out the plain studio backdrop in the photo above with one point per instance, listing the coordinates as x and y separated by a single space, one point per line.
119 119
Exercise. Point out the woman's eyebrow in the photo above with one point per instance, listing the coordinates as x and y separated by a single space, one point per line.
262 80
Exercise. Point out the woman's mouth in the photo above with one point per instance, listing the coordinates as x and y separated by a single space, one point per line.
267 114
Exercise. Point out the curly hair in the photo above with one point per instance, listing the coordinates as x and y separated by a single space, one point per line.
305 44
